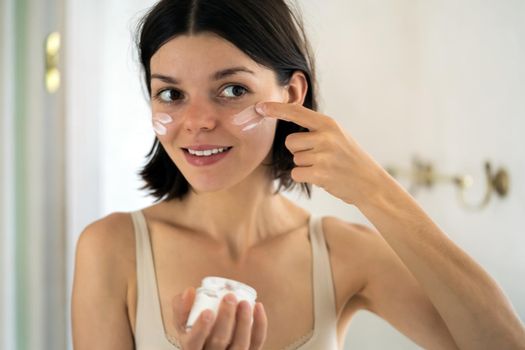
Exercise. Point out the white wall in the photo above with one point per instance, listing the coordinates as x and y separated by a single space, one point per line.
107 127
441 79
126 132
473 87
82 80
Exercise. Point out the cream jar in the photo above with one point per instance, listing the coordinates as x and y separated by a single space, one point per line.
211 292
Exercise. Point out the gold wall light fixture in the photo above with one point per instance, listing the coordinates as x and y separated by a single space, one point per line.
423 174
52 74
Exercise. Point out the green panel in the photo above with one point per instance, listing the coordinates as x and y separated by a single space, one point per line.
22 323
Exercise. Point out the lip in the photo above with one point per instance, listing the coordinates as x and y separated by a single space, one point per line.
205 160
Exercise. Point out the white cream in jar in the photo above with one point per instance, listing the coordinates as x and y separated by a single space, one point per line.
211 292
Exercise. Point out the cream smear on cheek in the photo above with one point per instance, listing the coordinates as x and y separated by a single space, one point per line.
245 120
159 122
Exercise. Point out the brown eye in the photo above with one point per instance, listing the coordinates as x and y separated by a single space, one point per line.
234 91
169 95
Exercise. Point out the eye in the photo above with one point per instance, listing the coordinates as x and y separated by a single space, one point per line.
235 91
168 95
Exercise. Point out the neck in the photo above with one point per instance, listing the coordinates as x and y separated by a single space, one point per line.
237 218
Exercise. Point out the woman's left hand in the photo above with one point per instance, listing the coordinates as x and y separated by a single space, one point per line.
327 156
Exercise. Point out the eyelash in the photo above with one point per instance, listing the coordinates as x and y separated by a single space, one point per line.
159 98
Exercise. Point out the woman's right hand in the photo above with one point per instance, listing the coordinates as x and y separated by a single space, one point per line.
231 330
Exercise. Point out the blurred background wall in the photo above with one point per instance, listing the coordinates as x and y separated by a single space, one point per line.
442 80
32 188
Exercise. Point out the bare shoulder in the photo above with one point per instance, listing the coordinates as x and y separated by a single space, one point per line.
110 241
337 225
348 240
106 247
112 231
104 263
361 250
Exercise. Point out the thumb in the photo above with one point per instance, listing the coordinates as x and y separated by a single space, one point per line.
182 306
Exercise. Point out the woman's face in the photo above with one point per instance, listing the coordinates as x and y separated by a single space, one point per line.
201 81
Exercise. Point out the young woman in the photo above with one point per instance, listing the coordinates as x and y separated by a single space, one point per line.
233 104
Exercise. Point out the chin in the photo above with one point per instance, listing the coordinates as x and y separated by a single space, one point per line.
211 185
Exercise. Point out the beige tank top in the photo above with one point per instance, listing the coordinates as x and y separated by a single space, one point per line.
149 328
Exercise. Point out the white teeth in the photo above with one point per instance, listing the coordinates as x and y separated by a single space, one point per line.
207 152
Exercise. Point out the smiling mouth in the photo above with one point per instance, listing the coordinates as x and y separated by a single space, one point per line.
208 152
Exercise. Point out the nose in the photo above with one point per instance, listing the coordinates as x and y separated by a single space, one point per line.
199 116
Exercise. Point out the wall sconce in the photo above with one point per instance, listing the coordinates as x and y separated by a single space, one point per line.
423 174
52 73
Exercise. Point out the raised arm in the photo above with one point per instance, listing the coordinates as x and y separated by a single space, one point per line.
99 312
471 304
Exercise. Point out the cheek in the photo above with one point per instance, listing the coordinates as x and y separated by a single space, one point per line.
259 140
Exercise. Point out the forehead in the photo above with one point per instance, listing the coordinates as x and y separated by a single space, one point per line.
203 52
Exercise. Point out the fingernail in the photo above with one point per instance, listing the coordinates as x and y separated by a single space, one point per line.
159 128
260 108
259 307
207 315
245 308
230 299
163 118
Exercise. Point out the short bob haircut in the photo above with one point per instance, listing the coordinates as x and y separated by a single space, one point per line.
268 31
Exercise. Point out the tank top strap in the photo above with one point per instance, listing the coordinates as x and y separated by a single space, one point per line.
324 295
149 318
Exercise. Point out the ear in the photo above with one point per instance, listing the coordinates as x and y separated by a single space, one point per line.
297 88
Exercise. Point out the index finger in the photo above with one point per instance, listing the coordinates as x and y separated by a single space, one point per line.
291 112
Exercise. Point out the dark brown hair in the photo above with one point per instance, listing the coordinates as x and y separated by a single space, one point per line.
268 31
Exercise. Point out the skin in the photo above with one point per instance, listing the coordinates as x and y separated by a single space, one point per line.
404 269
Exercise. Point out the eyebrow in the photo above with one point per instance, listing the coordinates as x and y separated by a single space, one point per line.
221 74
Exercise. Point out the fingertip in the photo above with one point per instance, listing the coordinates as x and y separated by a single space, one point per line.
260 326
199 331
260 306
207 316
185 294
189 291
230 299
202 323
260 107
244 309
259 310
182 304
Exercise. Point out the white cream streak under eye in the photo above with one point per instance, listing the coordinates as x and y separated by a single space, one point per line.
247 119
159 128
159 120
